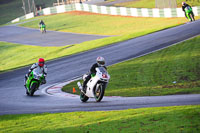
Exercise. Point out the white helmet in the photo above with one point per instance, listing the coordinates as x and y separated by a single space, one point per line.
100 61
183 3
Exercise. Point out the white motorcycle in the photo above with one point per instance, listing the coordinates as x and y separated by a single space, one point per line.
95 86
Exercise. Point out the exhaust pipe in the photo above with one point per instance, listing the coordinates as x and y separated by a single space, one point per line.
79 86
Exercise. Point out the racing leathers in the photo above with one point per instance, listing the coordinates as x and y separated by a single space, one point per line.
41 23
91 72
38 68
183 8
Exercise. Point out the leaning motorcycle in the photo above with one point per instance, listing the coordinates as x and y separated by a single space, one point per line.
96 86
33 82
188 11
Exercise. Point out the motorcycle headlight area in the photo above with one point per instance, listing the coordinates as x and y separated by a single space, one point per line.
104 75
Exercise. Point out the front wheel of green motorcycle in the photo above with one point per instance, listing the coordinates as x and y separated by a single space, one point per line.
27 93
192 17
33 88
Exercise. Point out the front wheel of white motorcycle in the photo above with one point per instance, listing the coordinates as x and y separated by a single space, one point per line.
99 92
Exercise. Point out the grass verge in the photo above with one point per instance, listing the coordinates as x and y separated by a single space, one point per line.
160 119
11 9
151 3
15 55
91 23
174 70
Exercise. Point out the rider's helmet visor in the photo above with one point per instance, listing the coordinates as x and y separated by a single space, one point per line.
41 64
101 62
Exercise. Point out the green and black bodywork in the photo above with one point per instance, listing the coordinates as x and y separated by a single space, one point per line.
189 13
43 28
33 82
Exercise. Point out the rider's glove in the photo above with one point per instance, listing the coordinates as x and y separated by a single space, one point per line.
29 72
44 81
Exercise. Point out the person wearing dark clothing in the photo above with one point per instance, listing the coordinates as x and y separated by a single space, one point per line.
41 23
184 5
100 62
42 26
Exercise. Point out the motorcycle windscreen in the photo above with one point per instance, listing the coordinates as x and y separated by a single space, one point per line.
188 9
102 70
38 71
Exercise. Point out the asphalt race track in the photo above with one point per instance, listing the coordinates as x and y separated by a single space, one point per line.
29 36
13 99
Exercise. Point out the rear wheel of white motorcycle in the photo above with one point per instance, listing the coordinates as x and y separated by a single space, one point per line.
83 97
99 92
33 88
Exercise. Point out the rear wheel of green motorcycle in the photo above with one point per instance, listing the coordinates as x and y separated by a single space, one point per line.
192 17
33 88
83 97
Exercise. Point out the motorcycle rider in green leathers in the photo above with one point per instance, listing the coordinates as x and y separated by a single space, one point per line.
184 5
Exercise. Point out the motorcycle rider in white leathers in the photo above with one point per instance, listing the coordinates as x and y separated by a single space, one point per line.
41 68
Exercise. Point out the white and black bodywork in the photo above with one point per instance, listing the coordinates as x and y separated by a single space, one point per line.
96 85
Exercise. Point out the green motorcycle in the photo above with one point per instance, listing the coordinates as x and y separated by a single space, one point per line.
43 28
33 82
189 13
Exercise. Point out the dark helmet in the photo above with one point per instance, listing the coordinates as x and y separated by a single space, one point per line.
183 3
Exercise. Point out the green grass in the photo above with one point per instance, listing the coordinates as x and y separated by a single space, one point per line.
83 22
138 4
151 3
11 9
158 120
154 74
15 55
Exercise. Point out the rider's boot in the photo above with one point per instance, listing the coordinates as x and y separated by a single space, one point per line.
84 86
84 89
